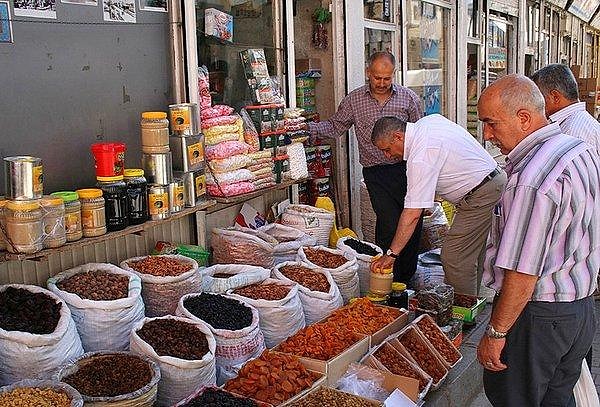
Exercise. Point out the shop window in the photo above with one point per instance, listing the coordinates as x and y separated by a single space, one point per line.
380 10
473 17
533 18
377 40
474 82
252 28
427 72
499 32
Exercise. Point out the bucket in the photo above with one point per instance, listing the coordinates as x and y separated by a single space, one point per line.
23 177
110 159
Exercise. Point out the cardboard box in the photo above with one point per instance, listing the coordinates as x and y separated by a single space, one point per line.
394 327
576 69
445 339
307 64
373 403
218 24
468 315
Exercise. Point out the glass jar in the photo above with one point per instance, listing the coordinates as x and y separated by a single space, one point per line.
93 217
72 214
24 229
381 283
155 129
2 224
114 191
399 296
53 221
137 196
377 299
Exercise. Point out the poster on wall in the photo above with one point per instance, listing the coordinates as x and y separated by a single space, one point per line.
119 10
35 8
81 2
154 5
5 23
433 99
430 51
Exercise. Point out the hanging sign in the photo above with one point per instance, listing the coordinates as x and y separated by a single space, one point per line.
510 7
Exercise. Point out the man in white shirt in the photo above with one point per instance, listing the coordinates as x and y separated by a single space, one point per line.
443 158
559 87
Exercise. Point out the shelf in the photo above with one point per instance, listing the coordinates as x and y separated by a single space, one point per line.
86 241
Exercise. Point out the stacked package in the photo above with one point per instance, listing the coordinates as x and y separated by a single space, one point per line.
261 167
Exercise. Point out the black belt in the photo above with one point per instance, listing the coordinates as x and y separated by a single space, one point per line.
488 177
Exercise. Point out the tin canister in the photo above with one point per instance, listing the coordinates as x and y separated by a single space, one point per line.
194 186
184 119
158 202
158 168
176 195
24 178
187 152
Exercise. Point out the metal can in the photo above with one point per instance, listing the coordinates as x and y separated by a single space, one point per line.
188 152
184 119
176 195
158 168
24 178
194 186
158 202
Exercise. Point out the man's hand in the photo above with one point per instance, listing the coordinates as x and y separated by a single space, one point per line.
384 262
488 353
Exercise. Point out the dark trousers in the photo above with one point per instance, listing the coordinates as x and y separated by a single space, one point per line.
387 188
543 352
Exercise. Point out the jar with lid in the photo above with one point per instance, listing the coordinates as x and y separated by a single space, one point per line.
137 196
53 221
398 297
114 191
155 129
2 224
72 214
24 228
377 299
93 218
381 283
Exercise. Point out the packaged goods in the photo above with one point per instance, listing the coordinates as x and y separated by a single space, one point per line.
24 226
326 396
292 113
364 381
438 298
109 159
363 317
250 132
429 271
313 221
204 88
284 376
37 333
229 164
165 279
137 195
297 159
231 177
435 227
422 353
279 308
110 377
289 240
53 221
234 325
317 291
24 179
440 342
40 393
114 192
184 351
212 396
93 214
398 364
216 111
237 188
242 246
105 302
155 129
226 149
218 24
364 253
184 119
72 214
220 121
223 277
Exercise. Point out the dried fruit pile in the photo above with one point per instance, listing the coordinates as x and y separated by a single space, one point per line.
160 266
169 337
306 277
272 378
22 310
363 317
217 397
270 292
439 341
97 285
219 312
465 301
321 341
33 396
326 396
360 247
325 259
397 364
110 375
422 355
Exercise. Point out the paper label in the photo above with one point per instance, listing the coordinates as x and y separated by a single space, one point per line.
180 119
200 185
38 179
195 154
159 203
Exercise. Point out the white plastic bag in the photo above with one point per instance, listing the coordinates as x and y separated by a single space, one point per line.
102 325
435 227
241 275
234 348
316 304
363 260
289 241
179 377
161 294
298 166
278 319
585 389
311 220
76 399
345 276
31 356
229 177
241 245
430 271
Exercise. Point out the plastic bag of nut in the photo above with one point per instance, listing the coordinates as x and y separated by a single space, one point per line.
289 240
165 279
241 245
320 296
40 393
438 298
435 228
105 301
179 376
223 277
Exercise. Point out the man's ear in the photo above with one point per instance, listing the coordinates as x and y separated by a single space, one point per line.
555 96
525 119
399 135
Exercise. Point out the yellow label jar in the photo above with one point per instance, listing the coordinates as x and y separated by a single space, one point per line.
93 218
53 221
24 229
158 202
72 214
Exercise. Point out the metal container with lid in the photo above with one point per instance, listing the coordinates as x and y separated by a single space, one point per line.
23 177
158 202
24 228
53 221
187 152
72 214
194 186
137 195
158 168
184 119
93 216
114 191
176 195
155 129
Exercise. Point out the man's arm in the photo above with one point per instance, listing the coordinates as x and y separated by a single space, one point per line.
415 110
336 125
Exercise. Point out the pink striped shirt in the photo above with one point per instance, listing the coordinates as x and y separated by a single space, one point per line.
575 121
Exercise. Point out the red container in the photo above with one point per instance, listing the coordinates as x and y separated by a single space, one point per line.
110 159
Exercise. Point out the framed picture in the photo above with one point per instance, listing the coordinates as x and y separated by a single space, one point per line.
5 23
81 2
119 10
154 5
35 8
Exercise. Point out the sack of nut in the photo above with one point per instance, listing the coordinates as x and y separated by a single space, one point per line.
319 294
105 302
165 279
289 240
241 245
220 278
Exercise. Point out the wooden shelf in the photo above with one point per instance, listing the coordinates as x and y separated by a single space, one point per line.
223 202
86 241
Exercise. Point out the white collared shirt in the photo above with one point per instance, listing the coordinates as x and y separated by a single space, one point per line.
575 121
442 157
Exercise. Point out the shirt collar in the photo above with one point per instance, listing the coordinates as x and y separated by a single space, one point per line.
516 158
565 112
368 89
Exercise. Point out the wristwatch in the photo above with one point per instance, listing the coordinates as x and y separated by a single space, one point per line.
391 254
492 333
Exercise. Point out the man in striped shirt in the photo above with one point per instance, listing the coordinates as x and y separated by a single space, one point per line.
559 87
543 252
